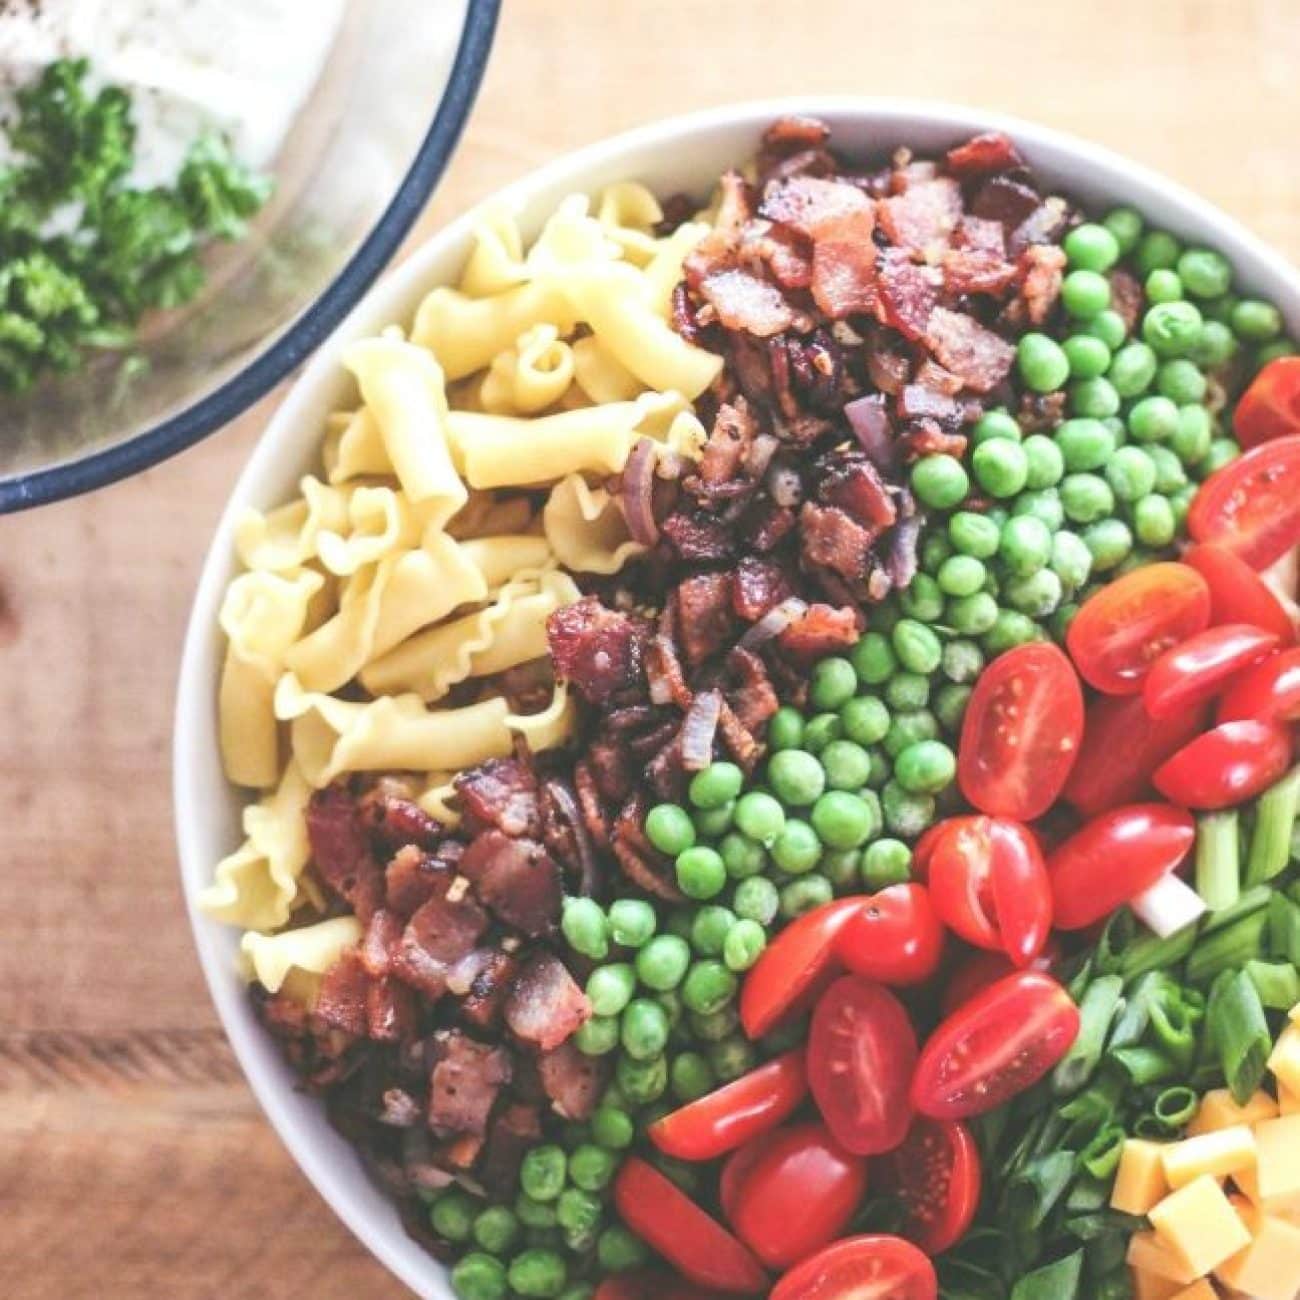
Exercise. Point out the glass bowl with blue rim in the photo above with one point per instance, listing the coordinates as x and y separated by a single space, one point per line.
356 167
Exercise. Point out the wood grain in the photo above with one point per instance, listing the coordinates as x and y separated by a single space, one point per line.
133 1161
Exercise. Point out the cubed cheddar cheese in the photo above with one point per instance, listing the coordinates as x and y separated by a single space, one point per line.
1294 1013
1284 1061
1140 1180
1277 1158
1288 1102
1199 1290
1151 1286
1199 1224
1269 1267
1148 1255
1218 1153
1219 1110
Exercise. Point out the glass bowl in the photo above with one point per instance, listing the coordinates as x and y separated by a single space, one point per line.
361 160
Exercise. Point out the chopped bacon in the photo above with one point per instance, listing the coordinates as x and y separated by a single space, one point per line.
544 1006
972 270
398 1109
596 649
844 265
820 631
341 848
930 374
744 301
517 879
830 538
512 1133
704 615
739 740
391 1014
341 1003
980 235
464 1082
642 863
389 812
487 994
572 1081
811 206
696 536
767 526
1041 269
665 673
610 765
442 933
1006 201
851 482
796 131
383 931
733 432
787 254
1127 297
593 816
990 152
756 586
926 438
1041 412
981 358
917 402
754 699
923 217
501 792
1042 226
907 295
412 878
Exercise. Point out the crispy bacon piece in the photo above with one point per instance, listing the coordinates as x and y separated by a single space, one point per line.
501 792
926 438
544 1006
642 863
732 435
1041 269
739 740
441 934
383 933
517 879
767 524
511 1134
844 266
704 615
1127 297
923 217
342 1000
756 586
1006 201
391 1015
973 270
464 1083
572 1081
412 878
811 206
596 649
753 699
593 816
796 131
851 482
982 154
820 631
666 675
787 255
341 848
389 812
697 536
830 538
907 295
917 402
742 300
980 235
981 358
487 994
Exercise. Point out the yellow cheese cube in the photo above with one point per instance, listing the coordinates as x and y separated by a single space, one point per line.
1284 1061
1151 1286
1294 1013
1277 1157
1218 1110
1200 1225
1288 1102
1218 1153
1269 1268
1199 1290
1147 1254
1140 1181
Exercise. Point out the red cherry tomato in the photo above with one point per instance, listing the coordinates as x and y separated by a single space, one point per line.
1202 667
1227 765
735 1169
861 1049
1114 858
1237 593
1021 733
989 884
1268 693
981 969
1000 1043
798 1196
923 849
729 1116
895 937
698 1247
795 967
862 1268
1270 407
935 1175
1251 506
1122 746
1120 632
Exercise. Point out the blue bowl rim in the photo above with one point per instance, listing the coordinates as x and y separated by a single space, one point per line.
237 394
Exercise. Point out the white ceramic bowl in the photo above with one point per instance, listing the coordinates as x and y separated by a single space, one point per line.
685 153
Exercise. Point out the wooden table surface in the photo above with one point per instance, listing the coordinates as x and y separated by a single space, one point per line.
133 1160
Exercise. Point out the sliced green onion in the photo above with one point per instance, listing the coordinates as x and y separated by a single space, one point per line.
1173 1025
1101 1000
1251 901
1107 1251
1151 953
1032 1193
1229 948
1088 1194
1135 1015
1277 983
1090 1110
1240 1034
1218 859
1284 929
1144 1065
1055 1281
1176 1106
1101 1156
1168 906
1275 820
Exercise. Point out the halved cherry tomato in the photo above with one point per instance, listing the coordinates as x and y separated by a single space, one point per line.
699 1247
862 1268
1202 667
1122 746
1252 505
1000 1043
935 1175
1226 766
1114 858
981 969
795 967
799 1195
895 937
729 1116
1021 733
1270 407
923 849
1121 631
1237 593
1268 693
861 1049
735 1169
989 884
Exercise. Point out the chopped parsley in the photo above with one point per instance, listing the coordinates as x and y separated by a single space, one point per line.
82 254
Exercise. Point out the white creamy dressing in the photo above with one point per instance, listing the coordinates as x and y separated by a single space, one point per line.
243 67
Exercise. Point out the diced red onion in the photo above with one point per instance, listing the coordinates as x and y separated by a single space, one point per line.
638 486
760 453
774 622
902 561
869 421
699 729
784 485
565 800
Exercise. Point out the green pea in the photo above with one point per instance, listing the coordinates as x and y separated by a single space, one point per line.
847 765
873 659
1043 366
673 1009
1109 327
1086 498
1132 369
632 921
644 1029
669 828
542 1173
1255 321
906 814
907 728
866 720
1215 346
1181 502
760 816
1110 541
1037 595
1275 351
538 1273
1191 439
1170 474
642 1081
690 1076
821 730
1000 467
935 549
1026 545
994 424
710 927
797 847
950 702
796 777
610 988
534 1214
972 535
939 482
961 575
973 615
1085 293
1084 444
1157 248
1181 381
619 1251
841 867
1044 505
744 945
926 767
1206 273
452 1216
477 1276
756 899
1126 226
922 599
714 822
1094 399
1163 285
496 1229
886 862
1131 473
1172 328
917 647
1222 452
784 731
578 1210
612 1127
1153 419
718 784
907 691
1071 560
1154 522
841 821
701 873
1088 356
662 963
833 682
963 661
708 987
805 894
585 927
1091 247
1012 629
732 1057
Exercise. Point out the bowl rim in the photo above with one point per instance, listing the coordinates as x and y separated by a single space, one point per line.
308 330
196 688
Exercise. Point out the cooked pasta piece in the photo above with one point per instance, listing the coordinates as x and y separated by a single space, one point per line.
497 262
354 448
314 949
629 212
380 521
600 375
586 528
285 538
663 272
499 559
531 376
